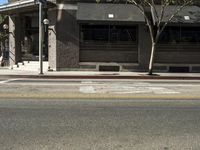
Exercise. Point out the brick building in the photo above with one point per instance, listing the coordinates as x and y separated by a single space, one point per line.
84 35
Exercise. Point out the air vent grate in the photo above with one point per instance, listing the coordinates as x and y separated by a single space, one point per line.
179 69
109 68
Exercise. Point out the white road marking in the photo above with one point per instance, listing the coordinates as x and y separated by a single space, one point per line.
87 82
87 89
162 90
130 92
8 80
128 89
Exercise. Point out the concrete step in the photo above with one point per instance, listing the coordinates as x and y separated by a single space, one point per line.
30 66
31 69
15 66
21 63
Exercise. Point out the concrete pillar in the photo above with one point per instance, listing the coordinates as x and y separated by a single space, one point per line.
14 40
63 38
52 52
67 38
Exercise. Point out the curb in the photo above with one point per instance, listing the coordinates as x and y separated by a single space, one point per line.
143 77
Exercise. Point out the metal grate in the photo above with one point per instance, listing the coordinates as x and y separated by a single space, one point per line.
109 68
179 69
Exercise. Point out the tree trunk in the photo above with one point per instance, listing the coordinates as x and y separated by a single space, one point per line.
152 58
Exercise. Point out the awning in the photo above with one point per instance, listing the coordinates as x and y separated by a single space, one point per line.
20 6
109 12
189 14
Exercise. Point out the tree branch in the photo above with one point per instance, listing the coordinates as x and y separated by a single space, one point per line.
141 7
171 17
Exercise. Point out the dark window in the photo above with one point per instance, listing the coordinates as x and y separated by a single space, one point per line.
180 35
97 33
108 33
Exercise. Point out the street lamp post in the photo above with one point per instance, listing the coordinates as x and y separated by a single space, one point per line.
41 3
46 39
40 39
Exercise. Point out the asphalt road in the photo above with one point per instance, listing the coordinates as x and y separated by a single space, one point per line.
43 124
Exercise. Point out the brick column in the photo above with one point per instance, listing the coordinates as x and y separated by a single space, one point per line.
14 40
67 45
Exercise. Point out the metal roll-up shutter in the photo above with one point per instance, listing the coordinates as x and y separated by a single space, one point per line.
178 53
108 52
104 45
179 45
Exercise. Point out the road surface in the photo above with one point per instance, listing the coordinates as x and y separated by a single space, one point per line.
54 124
52 114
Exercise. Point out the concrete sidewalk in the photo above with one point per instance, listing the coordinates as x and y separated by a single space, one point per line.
6 72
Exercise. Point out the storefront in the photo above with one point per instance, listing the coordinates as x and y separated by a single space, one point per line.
103 37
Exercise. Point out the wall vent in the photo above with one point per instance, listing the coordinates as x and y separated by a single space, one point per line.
179 69
109 68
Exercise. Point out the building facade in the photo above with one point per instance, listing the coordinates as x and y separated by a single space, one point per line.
84 35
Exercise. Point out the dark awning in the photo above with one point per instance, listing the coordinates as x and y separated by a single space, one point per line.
189 14
20 6
108 12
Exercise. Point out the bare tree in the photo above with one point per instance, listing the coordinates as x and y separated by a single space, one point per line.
156 20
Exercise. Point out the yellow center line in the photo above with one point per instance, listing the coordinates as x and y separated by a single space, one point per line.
97 96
